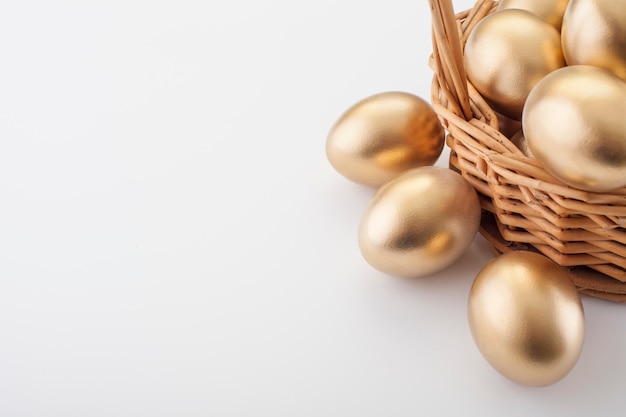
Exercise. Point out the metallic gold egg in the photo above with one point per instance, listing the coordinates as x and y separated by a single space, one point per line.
575 125
549 10
507 53
384 135
419 222
594 33
526 318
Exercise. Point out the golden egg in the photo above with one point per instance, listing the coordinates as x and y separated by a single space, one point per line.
594 33
526 318
420 222
384 135
575 125
507 53
549 10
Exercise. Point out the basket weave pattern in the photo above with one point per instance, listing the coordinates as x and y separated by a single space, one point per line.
524 206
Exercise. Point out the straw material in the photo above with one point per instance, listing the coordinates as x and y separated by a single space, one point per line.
524 207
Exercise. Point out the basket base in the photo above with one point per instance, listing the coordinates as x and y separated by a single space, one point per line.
587 280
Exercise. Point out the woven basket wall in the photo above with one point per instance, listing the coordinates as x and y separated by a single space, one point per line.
524 207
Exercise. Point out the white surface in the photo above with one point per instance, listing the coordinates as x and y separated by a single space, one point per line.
174 243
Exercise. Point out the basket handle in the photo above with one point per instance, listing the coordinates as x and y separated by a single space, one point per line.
448 49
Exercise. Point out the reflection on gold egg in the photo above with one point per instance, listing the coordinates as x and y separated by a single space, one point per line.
575 125
594 33
549 10
384 135
526 318
507 53
420 222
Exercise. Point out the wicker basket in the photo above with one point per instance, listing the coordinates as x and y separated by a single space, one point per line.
524 207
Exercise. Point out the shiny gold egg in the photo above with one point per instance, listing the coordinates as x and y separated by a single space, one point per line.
419 222
594 33
575 125
526 318
549 10
507 53
384 135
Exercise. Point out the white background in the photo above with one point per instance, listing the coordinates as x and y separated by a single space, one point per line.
174 243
